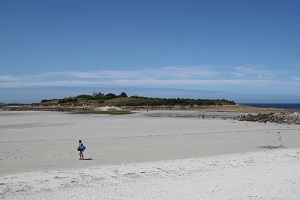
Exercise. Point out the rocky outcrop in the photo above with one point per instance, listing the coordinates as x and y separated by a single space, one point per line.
276 117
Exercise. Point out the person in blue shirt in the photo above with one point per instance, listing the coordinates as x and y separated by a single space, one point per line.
81 149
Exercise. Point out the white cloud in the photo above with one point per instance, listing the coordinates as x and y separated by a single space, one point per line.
264 73
96 74
9 78
173 76
258 72
296 78
182 72
165 72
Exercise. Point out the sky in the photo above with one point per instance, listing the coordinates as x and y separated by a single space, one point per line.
247 51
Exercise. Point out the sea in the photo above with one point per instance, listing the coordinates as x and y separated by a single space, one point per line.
289 106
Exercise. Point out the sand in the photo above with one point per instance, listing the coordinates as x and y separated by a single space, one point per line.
147 155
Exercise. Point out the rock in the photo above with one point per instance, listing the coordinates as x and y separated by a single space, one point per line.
277 117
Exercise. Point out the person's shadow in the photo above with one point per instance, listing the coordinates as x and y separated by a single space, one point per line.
88 159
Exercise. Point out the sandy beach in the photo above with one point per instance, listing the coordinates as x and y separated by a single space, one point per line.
147 155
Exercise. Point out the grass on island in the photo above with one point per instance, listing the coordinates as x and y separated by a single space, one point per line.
107 112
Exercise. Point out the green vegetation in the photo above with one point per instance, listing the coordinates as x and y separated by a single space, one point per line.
110 99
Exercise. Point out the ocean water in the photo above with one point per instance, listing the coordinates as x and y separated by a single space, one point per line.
291 106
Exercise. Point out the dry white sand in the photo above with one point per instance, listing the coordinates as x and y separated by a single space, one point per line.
141 157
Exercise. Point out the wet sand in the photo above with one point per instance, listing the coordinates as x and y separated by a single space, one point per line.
146 155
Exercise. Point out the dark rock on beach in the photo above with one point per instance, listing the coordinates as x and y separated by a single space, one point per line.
283 117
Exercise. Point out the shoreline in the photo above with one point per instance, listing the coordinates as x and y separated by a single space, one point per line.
211 108
237 112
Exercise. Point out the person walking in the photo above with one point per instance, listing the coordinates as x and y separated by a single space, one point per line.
81 149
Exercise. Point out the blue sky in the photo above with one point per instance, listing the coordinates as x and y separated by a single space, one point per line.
246 51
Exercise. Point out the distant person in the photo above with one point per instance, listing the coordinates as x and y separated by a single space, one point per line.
81 149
